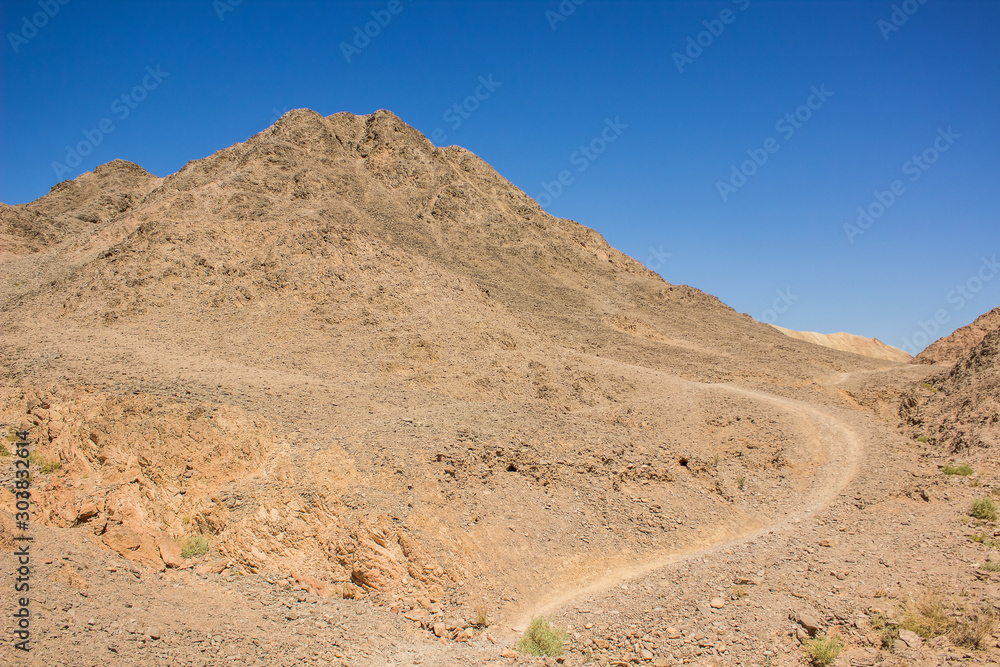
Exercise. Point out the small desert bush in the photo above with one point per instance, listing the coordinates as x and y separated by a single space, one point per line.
922 438
542 639
991 566
981 538
740 592
195 545
927 615
823 650
974 629
480 616
886 631
45 467
964 470
983 508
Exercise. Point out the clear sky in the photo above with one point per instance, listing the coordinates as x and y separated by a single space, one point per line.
724 144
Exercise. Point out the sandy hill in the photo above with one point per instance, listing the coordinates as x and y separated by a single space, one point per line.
869 347
956 345
365 368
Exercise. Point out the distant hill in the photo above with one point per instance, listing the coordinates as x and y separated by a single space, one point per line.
869 347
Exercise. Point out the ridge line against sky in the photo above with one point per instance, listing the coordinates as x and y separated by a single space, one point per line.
824 166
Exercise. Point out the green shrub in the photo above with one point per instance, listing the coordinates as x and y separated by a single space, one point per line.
542 639
195 545
44 467
922 438
981 538
964 470
984 509
990 566
823 650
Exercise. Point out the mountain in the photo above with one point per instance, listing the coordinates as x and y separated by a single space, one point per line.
869 347
340 280
338 362
959 343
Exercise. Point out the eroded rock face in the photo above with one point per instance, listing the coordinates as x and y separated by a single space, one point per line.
145 474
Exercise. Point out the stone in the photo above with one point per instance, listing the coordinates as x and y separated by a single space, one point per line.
717 603
152 632
170 551
88 510
140 548
808 621
910 638
646 655
508 654
660 661
440 629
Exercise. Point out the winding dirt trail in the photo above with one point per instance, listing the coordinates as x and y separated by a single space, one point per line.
838 451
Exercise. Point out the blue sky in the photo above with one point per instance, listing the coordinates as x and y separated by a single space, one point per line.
644 109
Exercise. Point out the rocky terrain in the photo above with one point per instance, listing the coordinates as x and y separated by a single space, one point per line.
336 395
960 410
869 347
951 348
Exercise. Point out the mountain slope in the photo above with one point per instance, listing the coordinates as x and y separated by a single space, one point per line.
961 410
959 343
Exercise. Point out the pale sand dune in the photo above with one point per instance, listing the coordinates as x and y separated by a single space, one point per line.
869 347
